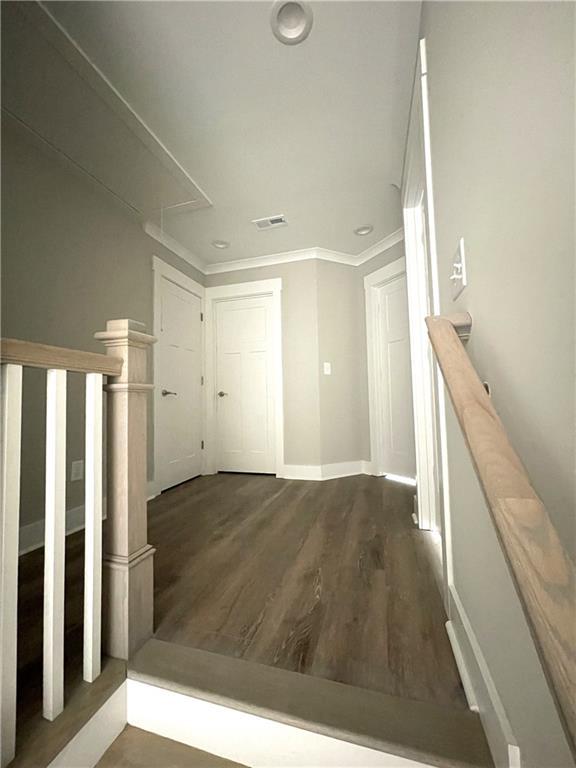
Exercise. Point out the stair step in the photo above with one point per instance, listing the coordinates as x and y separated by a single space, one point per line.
141 749
415 730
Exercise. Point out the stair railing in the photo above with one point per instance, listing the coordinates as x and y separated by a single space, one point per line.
543 573
118 586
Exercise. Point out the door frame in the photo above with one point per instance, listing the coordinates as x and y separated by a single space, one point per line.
236 291
372 282
163 270
423 300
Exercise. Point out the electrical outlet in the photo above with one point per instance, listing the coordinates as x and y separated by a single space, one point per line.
327 369
77 470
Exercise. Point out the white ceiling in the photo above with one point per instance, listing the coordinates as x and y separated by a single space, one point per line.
314 131
56 104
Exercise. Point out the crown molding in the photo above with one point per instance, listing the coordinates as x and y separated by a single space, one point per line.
382 245
323 254
273 259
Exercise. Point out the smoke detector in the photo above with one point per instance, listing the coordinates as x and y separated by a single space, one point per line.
291 22
270 222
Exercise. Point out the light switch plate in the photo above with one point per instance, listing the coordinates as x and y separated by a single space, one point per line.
327 369
458 276
77 470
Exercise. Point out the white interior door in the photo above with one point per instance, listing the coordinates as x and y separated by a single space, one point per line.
245 385
394 406
178 372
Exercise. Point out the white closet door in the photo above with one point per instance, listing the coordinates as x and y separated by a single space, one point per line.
396 379
178 357
245 385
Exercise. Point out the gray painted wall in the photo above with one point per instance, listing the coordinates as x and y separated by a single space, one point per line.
324 320
72 258
501 80
302 444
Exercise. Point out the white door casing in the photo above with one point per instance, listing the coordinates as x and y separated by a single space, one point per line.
424 299
178 372
245 385
244 364
389 372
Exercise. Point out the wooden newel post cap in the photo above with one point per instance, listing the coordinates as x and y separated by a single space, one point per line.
126 331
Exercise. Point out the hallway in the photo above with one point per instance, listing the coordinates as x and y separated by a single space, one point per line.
330 579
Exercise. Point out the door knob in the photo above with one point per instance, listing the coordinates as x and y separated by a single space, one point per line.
222 394
167 392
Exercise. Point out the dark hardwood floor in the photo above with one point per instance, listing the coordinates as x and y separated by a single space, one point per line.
331 579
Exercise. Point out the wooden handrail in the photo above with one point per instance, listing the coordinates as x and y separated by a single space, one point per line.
544 574
33 355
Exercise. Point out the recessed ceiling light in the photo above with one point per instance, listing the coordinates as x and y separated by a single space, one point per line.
220 244
365 230
291 22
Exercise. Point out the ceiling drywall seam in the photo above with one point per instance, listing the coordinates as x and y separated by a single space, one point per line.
39 139
51 28
305 254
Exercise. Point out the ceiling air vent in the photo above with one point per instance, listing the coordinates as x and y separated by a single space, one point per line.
270 222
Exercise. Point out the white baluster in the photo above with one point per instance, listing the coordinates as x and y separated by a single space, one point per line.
11 415
93 535
55 543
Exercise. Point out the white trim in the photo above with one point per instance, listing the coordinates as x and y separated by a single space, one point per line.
416 187
286 257
372 282
341 469
162 270
152 490
10 448
462 668
302 472
381 246
250 739
304 254
32 535
326 471
173 245
273 288
97 735
385 274
480 689
322 254
74 54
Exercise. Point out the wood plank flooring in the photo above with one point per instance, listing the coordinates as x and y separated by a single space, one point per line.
330 579
135 748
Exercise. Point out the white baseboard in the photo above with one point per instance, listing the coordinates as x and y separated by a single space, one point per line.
32 535
342 469
326 471
90 743
462 669
152 490
302 472
244 737
477 679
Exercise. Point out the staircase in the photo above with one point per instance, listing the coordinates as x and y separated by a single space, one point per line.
264 716
235 712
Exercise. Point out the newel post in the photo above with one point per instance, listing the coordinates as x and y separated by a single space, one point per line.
128 579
